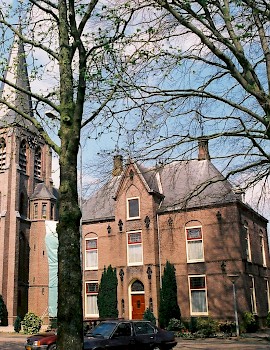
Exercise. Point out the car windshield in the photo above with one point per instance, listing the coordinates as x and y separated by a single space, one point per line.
103 329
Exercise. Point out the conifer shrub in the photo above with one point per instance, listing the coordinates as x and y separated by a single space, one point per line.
149 316
168 307
31 323
107 294
3 312
18 324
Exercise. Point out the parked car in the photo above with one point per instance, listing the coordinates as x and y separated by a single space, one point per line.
128 335
44 341
115 335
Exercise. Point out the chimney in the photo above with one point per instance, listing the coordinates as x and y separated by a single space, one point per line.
117 165
203 150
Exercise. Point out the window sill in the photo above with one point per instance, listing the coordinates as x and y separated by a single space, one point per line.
195 261
136 264
199 314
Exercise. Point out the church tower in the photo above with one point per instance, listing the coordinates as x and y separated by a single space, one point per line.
26 195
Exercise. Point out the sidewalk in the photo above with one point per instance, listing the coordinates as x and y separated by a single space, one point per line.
263 334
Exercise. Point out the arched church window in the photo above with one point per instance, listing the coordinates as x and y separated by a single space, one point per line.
137 286
37 166
22 156
23 258
2 153
22 208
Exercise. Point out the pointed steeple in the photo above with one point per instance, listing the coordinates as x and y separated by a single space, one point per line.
16 74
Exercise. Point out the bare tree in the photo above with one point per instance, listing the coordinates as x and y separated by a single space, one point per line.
208 76
73 51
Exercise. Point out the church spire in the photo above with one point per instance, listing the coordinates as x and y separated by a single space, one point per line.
16 73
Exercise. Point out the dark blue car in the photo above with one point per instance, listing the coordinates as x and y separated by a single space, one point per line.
128 335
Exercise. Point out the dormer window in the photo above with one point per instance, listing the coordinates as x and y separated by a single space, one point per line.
2 154
133 208
22 157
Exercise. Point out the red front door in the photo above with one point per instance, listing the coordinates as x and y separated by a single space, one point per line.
138 306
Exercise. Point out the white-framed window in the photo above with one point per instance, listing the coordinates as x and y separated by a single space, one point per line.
198 295
247 244
194 244
267 291
262 249
133 208
91 254
134 248
44 210
253 295
35 211
91 293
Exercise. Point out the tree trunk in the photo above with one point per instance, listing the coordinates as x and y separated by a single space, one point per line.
70 314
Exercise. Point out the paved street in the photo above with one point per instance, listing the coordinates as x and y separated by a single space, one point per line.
16 342
243 344
12 342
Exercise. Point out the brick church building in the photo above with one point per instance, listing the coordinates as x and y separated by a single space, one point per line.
27 199
184 212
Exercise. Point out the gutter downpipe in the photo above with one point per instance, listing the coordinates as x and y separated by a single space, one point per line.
159 247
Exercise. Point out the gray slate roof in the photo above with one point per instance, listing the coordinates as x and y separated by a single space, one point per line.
101 205
194 183
17 74
41 191
180 185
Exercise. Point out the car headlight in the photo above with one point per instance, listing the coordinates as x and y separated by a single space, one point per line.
36 343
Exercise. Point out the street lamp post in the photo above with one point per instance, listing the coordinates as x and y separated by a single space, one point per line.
233 279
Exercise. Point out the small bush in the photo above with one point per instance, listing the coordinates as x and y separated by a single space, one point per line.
207 327
250 322
53 323
268 320
193 327
31 323
18 324
149 316
175 325
227 327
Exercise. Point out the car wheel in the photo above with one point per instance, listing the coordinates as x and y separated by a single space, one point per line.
52 347
157 347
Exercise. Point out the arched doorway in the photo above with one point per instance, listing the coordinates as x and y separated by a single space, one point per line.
137 300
